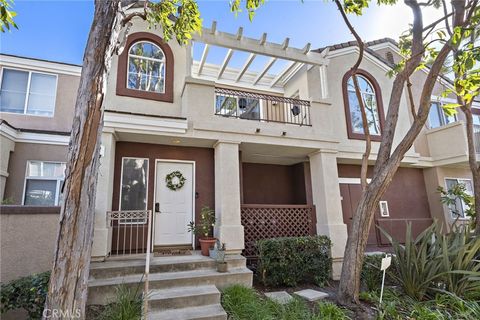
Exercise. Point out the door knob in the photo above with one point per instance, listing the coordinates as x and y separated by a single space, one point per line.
157 207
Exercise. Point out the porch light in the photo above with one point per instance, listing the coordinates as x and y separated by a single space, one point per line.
284 133
257 130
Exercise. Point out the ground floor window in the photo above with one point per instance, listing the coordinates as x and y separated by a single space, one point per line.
43 182
459 209
134 185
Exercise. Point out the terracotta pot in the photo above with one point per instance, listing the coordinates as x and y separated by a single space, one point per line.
206 244
222 266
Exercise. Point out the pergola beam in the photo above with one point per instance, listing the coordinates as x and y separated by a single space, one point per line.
204 58
247 64
289 68
228 56
274 50
265 69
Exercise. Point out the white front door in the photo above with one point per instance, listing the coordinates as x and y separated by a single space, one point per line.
176 207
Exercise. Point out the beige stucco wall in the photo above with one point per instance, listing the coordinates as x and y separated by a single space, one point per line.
435 177
338 67
18 162
61 121
27 244
136 105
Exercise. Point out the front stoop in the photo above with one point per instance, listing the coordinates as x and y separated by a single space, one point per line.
182 287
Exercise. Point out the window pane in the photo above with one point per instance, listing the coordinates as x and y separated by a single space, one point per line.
456 209
134 184
13 91
371 109
434 117
40 192
476 119
34 169
249 108
226 105
147 49
41 99
53 169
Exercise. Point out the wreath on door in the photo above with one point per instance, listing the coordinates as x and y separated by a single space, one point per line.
175 180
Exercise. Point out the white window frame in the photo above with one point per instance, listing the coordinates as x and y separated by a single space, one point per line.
459 180
384 210
260 105
143 221
27 93
58 180
163 61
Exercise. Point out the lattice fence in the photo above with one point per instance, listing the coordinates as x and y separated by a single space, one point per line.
272 221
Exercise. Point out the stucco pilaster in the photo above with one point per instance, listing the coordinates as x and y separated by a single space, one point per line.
6 146
327 201
103 201
227 196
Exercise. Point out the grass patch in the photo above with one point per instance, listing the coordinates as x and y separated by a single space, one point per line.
242 303
397 305
126 306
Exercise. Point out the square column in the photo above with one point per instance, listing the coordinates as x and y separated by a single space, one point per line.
8 146
327 201
227 196
103 201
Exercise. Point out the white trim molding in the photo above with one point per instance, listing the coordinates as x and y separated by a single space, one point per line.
39 65
33 137
143 124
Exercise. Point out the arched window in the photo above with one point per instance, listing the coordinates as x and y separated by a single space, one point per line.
146 67
370 93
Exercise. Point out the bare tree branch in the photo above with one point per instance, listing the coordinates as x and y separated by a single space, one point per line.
361 102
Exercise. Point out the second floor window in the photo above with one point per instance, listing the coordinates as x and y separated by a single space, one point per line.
146 67
437 117
27 92
371 98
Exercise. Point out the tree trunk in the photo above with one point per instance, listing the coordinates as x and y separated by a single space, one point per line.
67 292
472 161
349 288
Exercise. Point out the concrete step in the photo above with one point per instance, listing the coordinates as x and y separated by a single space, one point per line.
207 312
102 291
182 297
121 268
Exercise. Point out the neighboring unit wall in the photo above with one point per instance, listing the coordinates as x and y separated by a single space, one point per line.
61 121
435 177
27 240
24 152
407 202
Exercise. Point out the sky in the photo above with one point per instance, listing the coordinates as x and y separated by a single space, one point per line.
58 30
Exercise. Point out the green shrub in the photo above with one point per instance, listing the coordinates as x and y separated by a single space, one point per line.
371 275
126 306
434 262
289 261
28 293
328 310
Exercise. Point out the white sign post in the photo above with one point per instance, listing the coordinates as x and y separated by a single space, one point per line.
386 262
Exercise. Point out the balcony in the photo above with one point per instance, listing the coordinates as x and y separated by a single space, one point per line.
261 107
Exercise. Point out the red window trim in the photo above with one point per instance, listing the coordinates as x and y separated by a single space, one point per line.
378 96
122 89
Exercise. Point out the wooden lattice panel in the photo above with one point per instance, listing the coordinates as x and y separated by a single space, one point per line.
273 221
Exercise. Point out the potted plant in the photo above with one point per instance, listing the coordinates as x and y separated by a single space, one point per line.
222 265
204 229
